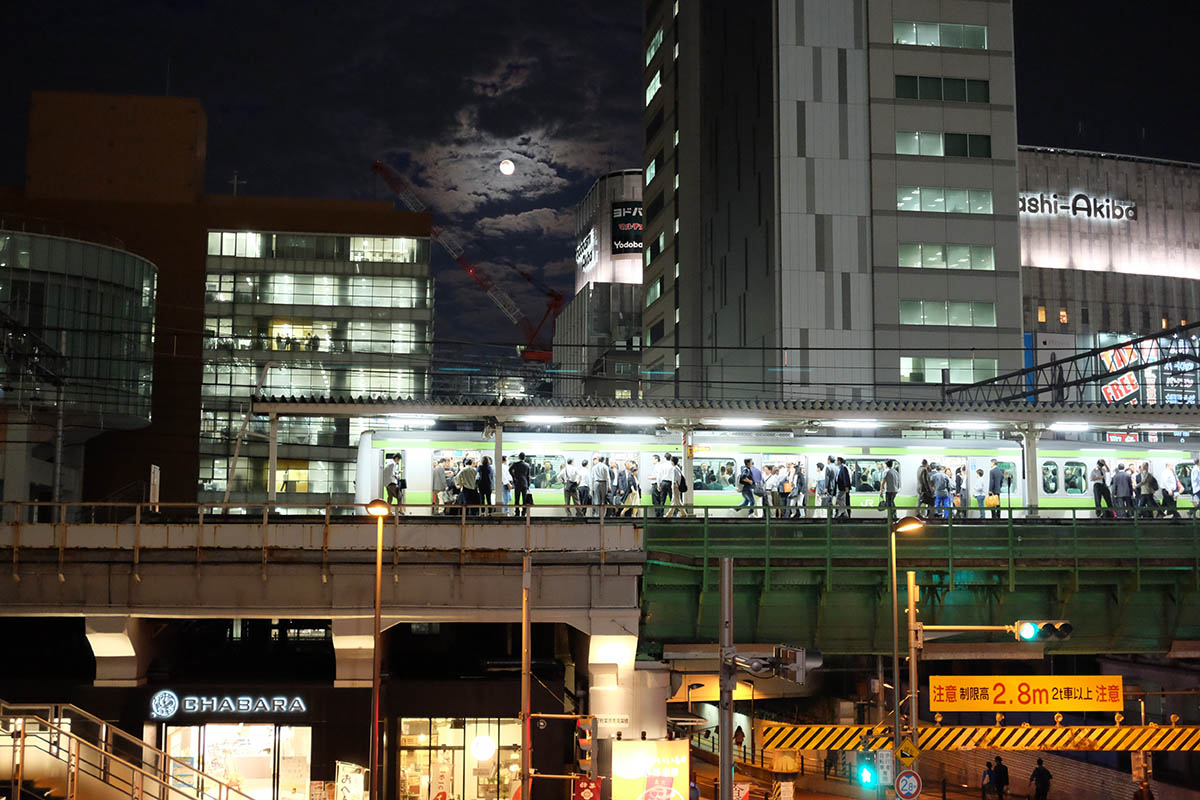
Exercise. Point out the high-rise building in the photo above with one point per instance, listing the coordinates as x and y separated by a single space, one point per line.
831 204
597 335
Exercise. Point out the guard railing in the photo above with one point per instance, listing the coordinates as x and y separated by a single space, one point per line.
40 746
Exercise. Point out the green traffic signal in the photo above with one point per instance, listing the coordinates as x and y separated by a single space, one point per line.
1042 630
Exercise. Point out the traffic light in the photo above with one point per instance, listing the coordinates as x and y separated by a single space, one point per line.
583 743
1042 630
793 663
865 771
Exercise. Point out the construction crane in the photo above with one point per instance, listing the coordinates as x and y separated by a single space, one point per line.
537 347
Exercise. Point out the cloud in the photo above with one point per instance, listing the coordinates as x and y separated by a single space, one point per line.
544 221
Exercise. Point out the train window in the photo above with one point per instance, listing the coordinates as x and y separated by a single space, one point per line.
1075 479
543 470
714 474
1183 471
1009 470
1049 477
866 475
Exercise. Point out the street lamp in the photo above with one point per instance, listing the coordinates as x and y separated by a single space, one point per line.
909 524
378 509
690 687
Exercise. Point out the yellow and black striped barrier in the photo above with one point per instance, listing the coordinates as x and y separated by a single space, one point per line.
1161 738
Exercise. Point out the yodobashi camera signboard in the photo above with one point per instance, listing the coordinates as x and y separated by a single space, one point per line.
626 228
650 770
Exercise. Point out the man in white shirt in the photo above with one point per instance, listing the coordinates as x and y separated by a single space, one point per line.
600 484
568 476
664 477
1195 486
771 489
1168 482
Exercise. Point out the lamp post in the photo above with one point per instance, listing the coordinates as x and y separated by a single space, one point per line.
689 693
377 509
908 524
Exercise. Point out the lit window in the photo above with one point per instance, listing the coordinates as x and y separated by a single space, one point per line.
677 138
936 199
651 171
1164 323
1062 315
654 86
677 50
1041 315
934 34
677 316
623 394
655 43
677 361
676 180
654 291
928 369
676 265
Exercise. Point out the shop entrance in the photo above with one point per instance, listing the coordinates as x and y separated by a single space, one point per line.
263 761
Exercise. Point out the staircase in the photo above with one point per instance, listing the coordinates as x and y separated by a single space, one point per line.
61 752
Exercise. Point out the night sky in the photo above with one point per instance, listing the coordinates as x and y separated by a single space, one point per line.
303 96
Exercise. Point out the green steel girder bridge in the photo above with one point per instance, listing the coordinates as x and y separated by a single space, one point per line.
1127 586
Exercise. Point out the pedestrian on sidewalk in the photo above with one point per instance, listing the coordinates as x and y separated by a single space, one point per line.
987 783
1000 778
1040 780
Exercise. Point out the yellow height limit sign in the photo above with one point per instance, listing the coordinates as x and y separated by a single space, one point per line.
1026 693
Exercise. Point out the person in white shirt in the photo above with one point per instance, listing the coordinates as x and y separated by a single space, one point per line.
1195 481
568 476
771 489
979 487
676 478
1168 482
664 476
396 483
600 484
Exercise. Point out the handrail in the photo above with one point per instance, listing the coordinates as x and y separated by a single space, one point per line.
160 774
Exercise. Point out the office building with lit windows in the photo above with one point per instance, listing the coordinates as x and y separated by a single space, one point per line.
598 334
830 195
334 295
306 314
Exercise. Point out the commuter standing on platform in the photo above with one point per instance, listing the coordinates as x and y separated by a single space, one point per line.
1121 487
941 491
995 485
484 482
519 472
980 491
924 489
890 485
843 488
1100 491
746 486
656 498
600 484
504 485
568 476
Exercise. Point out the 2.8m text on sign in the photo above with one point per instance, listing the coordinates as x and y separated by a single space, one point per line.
1026 693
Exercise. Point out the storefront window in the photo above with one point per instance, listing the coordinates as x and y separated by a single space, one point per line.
244 756
459 759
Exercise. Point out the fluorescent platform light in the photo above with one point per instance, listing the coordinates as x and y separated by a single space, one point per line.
855 423
544 419
1069 426
414 421
736 422
968 426
633 420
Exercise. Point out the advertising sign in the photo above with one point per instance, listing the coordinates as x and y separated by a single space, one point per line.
1026 693
586 250
654 770
587 789
1175 382
350 780
626 228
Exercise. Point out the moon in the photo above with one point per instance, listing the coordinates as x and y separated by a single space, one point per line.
507 167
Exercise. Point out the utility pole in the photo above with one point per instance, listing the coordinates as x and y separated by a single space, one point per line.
912 656
728 682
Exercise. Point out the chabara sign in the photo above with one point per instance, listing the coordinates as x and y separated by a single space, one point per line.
1078 205
166 704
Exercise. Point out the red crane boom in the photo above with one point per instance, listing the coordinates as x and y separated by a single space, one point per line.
536 348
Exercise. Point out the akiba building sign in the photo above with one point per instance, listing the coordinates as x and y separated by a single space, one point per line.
166 704
1079 204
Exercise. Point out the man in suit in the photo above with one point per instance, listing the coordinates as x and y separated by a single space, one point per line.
995 483
843 483
1121 484
519 472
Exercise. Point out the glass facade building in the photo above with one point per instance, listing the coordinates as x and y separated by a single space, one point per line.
90 304
324 316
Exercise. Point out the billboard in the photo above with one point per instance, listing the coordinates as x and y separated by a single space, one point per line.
1173 382
626 228
650 770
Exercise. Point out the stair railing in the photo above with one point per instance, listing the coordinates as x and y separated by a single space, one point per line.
41 749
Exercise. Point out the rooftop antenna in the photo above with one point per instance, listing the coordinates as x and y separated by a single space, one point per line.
236 182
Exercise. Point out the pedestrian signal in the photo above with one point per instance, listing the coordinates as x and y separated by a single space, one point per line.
865 770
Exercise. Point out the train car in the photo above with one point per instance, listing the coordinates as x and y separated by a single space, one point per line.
1063 467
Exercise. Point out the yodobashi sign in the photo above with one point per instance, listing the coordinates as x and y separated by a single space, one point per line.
166 704
626 228
1077 205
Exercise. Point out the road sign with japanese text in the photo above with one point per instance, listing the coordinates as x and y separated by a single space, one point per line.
1026 693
